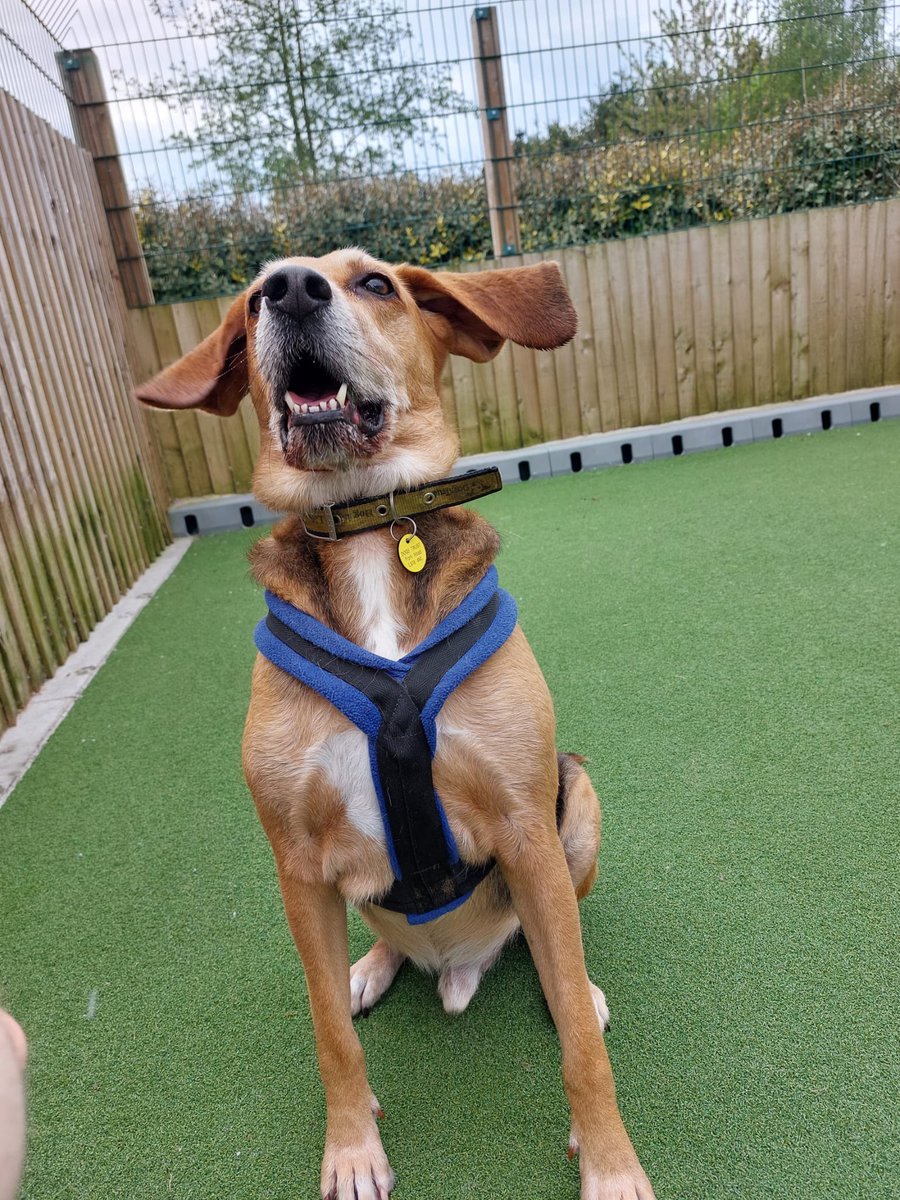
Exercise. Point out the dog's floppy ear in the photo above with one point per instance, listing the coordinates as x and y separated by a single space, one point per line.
473 313
212 376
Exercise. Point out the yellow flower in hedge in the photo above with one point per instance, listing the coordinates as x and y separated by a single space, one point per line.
643 203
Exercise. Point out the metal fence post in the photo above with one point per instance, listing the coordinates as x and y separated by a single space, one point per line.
83 84
499 173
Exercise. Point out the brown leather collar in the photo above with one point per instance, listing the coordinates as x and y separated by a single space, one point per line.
333 521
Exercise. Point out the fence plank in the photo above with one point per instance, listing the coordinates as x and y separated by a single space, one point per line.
704 330
780 289
741 312
29 594
798 232
858 309
504 383
466 406
147 362
448 399
874 289
663 329
604 350
565 367
836 223
761 311
892 294
642 330
192 323
168 343
576 272
683 322
623 337
720 274
527 399
818 301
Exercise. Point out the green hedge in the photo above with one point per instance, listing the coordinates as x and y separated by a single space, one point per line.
203 246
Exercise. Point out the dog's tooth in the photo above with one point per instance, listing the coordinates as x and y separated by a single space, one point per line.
304 408
291 402
342 395
314 408
332 404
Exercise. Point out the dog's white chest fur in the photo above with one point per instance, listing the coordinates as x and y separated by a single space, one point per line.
369 569
344 758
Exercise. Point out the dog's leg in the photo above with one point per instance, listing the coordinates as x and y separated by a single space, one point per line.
354 1166
580 836
372 975
538 877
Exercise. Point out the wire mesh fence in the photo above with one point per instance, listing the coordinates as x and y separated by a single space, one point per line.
29 43
249 129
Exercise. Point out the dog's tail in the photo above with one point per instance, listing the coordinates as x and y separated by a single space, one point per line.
578 821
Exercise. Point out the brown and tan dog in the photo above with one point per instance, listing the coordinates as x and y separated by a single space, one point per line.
343 356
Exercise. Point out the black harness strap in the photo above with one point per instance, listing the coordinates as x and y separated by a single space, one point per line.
432 875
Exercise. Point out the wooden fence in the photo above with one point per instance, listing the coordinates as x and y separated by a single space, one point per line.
672 325
82 496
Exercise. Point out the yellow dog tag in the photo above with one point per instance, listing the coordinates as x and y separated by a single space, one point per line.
412 552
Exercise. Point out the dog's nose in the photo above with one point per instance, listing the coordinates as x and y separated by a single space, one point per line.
297 291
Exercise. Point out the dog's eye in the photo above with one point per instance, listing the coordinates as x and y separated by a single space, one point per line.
379 285
254 304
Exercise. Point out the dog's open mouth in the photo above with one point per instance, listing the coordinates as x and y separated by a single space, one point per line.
314 396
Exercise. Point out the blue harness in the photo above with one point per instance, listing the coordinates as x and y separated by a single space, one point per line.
396 704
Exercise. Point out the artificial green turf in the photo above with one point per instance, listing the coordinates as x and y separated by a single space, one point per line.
720 633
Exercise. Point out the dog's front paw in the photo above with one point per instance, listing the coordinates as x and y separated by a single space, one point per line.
599 1183
356 1171
616 1185
371 977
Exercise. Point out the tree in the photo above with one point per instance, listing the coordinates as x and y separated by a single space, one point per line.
817 43
298 90
698 73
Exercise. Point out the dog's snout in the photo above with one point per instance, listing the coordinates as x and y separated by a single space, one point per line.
297 291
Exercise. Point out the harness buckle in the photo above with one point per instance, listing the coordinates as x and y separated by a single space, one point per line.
331 535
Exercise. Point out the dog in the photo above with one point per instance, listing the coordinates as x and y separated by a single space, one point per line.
342 356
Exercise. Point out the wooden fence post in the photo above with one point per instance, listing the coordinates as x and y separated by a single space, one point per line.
499 173
94 131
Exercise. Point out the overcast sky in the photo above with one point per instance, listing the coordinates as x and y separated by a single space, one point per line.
557 55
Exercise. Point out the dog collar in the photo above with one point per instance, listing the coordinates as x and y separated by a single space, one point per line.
334 521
